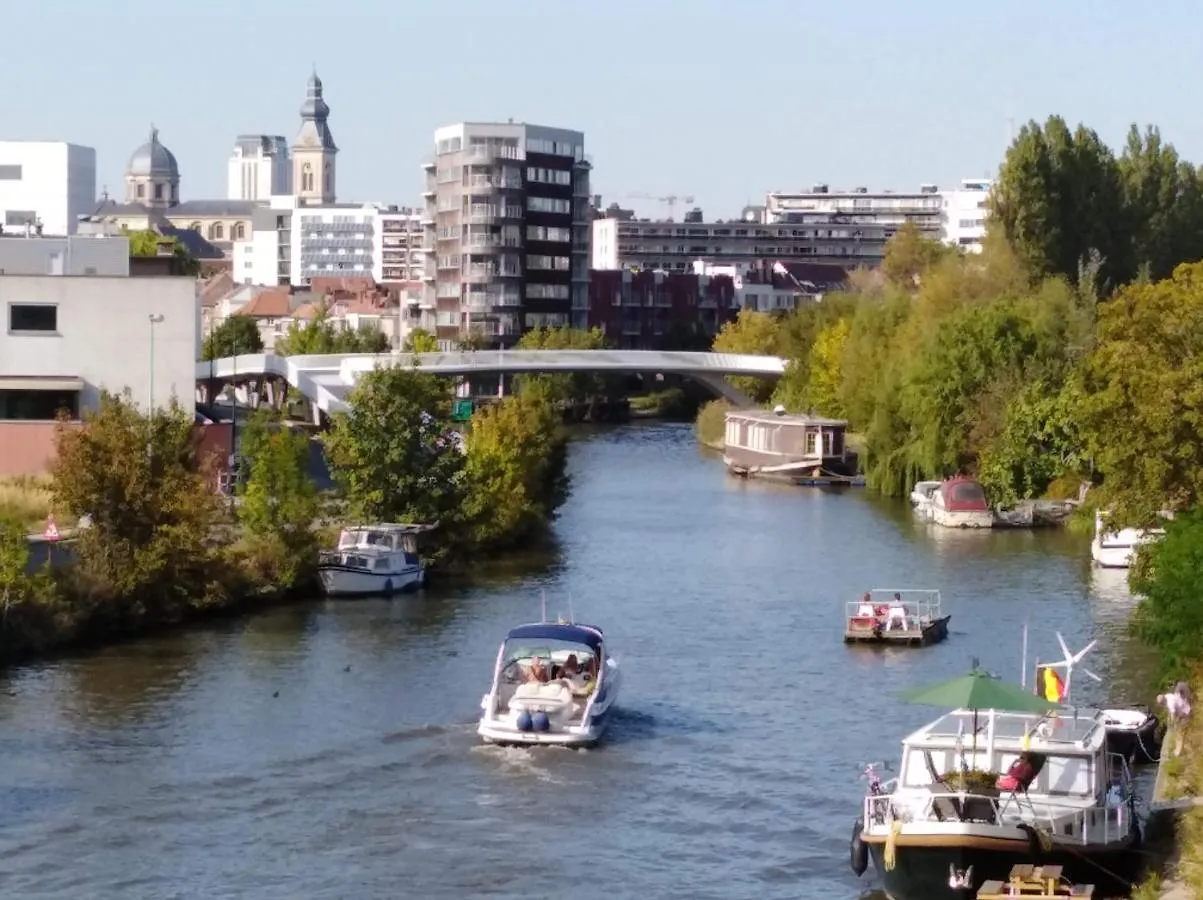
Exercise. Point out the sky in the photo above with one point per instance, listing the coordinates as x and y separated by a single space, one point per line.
721 101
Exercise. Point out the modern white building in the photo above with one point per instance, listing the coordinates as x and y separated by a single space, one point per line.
401 256
78 254
57 352
46 184
965 214
260 167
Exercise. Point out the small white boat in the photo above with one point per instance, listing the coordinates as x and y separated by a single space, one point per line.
1117 549
960 502
373 559
554 683
922 495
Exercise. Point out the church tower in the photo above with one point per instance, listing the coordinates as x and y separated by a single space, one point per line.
313 151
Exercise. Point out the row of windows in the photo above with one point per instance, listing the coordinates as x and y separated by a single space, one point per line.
549 176
549 205
38 406
548 233
547 292
553 263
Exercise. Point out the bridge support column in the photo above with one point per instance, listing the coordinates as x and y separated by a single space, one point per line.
723 388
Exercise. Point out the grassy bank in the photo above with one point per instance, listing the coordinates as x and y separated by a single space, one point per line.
29 501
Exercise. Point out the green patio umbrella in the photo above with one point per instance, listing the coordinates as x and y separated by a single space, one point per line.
979 690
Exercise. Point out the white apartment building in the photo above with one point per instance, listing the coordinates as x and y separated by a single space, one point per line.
292 244
45 183
965 214
260 167
57 352
78 254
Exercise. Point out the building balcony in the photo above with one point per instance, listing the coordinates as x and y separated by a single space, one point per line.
480 274
480 215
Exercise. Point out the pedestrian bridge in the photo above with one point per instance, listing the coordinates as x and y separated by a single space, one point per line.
327 380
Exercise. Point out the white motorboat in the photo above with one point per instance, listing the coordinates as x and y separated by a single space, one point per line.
1117 549
960 502
373 559
922 496
1063 798
554 683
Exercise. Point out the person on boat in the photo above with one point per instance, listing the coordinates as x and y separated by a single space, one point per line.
866 609
537 670
571 667
896 614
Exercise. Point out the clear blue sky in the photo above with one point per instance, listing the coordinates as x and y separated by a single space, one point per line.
720 100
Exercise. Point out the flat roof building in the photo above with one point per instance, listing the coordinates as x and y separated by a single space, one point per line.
45 186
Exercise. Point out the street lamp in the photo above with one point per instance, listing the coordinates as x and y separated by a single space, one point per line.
154 320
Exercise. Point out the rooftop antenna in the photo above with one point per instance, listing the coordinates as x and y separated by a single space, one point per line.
1070 661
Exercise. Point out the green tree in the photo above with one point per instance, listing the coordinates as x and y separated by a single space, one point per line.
909 255
234 335
279 499
575 387
1144 390
827 368
147 555
516 459
148 242
321 335
14 563
394 454
751 332
1169 580
1058 195
420 341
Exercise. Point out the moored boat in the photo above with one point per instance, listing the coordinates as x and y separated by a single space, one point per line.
1063 799
922 496
553 683
960 502
1117 549
373 559
802 450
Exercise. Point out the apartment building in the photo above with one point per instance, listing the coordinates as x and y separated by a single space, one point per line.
45 186
402 255
965 211
507 229
260 167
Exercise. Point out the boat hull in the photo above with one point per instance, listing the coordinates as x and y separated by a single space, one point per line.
923 872
932 632
503 729
345 581
961 518
1111 557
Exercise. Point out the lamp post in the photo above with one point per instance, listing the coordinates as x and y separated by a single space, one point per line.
154 320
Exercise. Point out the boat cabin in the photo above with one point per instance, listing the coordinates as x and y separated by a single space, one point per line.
376 546
962 495
1125 538
776 441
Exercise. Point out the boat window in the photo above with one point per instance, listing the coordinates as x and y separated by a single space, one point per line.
356 561
968 492
811 443
1068 775
381 564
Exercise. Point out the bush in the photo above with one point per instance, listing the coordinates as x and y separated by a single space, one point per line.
711 424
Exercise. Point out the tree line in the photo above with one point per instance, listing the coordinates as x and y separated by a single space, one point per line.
1068 352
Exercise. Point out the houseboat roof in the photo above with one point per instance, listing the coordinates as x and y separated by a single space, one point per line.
769 417
588 635
1071 730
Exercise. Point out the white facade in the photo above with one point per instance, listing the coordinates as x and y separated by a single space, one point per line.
260 167
399 254
61 332
605 244
890 209
331 241
965 214
255 260
48 181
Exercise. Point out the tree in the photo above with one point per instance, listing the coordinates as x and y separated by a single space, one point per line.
147 555
909 254
1144 390
394 454
827 369
148 242
14 563
1057 196
279 500
576 387
232 336
420 341
751 332
516 456
1169 580
320 335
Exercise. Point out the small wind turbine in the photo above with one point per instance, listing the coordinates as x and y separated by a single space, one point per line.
1070 661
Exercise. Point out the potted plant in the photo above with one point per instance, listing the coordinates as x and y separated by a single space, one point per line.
981 790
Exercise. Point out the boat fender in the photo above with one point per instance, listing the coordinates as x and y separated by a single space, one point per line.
388 586
540 721
858 851
524 721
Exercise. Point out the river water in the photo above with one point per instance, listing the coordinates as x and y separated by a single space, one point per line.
327 750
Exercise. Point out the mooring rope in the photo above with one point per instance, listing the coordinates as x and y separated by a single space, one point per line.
888 857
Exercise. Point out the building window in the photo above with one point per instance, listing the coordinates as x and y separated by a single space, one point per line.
216 232
38 406
240 231
306 178
195 226
16 218
158 191
140 191
33 317
10 173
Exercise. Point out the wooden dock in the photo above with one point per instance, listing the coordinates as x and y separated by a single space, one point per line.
1033 881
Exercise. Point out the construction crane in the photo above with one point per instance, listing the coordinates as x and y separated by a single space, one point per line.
670 201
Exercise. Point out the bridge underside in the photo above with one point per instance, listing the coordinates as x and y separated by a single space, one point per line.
326 381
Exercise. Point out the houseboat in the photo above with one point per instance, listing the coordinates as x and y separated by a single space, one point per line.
786 447
907 618
960 502
1117 549
965 809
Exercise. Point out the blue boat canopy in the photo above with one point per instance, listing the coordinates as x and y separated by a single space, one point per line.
552 631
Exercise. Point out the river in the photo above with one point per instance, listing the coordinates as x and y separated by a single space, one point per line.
327 749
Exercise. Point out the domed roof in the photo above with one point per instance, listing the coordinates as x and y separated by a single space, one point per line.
314 106
153 160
